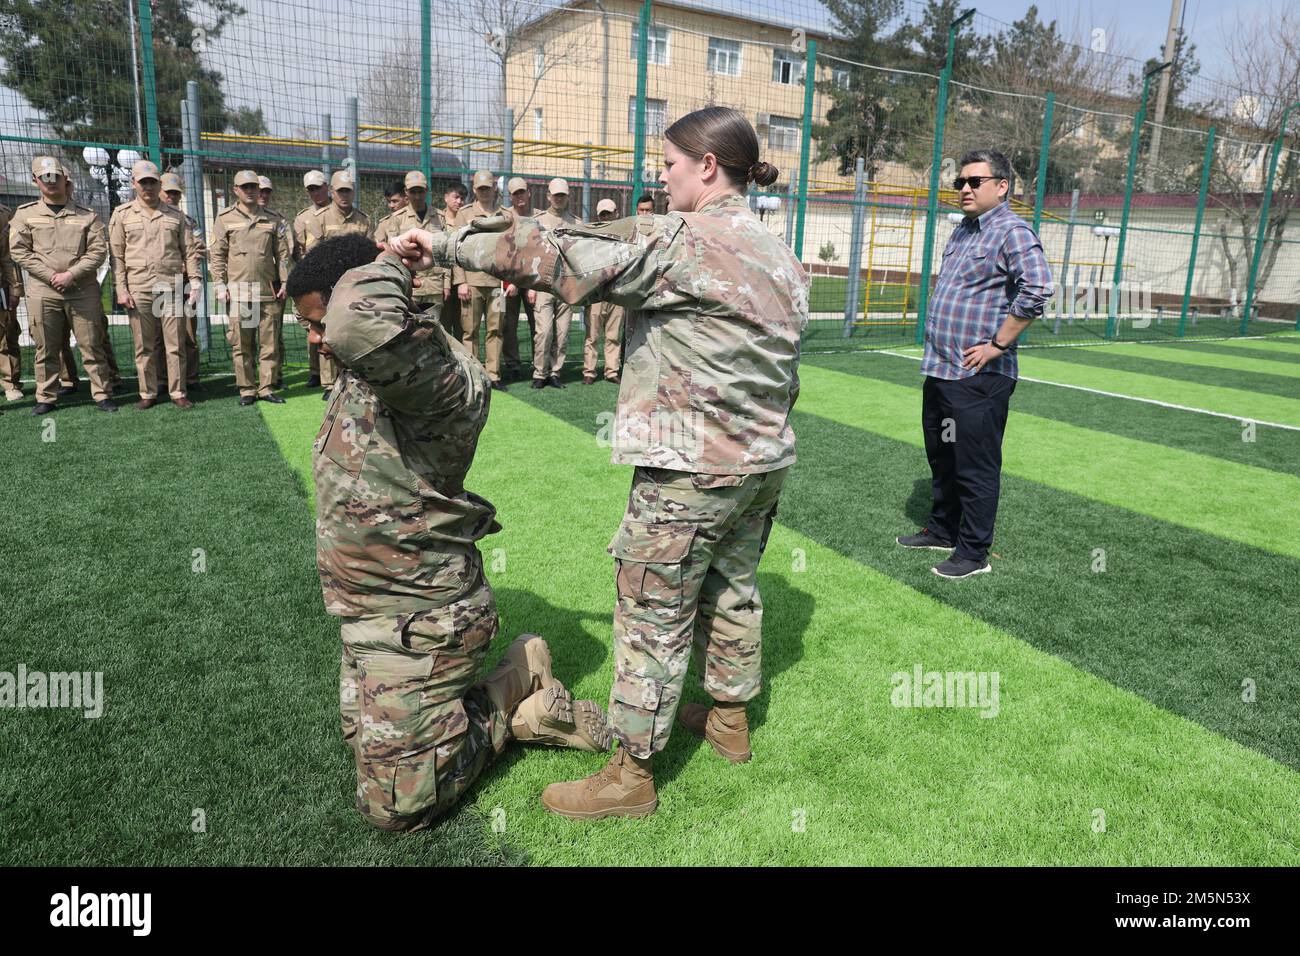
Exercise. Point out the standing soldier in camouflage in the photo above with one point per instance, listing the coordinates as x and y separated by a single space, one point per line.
554 315
416 213
480 293
250 263
11 290
521 204
59 244
337 219
307 230
173 191
396 547
603 319
152 253
716 305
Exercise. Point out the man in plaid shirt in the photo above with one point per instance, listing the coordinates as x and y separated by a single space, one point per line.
994 281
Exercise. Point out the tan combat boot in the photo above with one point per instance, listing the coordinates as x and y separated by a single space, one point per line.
625 788
725 726
551 716
524 670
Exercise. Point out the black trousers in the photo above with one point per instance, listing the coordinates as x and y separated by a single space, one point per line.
963 422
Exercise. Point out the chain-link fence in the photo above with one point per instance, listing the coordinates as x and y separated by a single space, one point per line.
1155 229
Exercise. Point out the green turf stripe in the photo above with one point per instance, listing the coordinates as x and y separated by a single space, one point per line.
1275 449
1193 490
1176 354
1289 358
1229 401
1199 374
1277 343
875 784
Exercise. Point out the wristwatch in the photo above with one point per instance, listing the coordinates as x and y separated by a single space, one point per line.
993 341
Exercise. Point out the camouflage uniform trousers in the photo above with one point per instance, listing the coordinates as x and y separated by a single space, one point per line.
686 569
421 731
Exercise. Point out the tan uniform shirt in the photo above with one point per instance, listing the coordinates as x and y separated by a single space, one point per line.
307 230
250 247
11 277
431 279
150 247
334 223
459 276
45 242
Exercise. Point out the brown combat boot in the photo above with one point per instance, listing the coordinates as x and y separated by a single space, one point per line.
524 670
725 726
552 717
625 788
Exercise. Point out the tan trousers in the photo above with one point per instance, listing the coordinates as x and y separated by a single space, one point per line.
52 320
603 318
11 356
251 333
554 316
68 361
510 329
192 349
484 306
159 335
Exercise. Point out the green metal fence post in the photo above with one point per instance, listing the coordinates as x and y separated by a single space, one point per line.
426 90
809 80
1265 202
932 206
1112 304
642 56
1206 163
1042 159
150 85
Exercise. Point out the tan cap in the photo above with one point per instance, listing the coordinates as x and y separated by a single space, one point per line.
484 178
558 186
144 170
342 180
172 183
415 180
606 205
46 167
313 177
264 182
66 171
515 185
246 177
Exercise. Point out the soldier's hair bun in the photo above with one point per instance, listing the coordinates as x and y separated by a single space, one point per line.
765 174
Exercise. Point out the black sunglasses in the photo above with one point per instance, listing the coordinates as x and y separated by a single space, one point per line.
975 181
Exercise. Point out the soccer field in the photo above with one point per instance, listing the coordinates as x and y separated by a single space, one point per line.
1141 618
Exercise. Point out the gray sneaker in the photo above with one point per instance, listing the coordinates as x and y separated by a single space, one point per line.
956 567
925 539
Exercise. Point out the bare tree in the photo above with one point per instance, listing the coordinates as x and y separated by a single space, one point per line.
390 94
509 30
1264 53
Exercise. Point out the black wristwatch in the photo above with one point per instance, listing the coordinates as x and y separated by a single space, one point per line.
993 341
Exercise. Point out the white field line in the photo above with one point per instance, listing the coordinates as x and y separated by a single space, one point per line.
1131 398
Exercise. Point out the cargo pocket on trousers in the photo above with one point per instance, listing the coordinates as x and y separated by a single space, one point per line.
634 710
648 559
419 774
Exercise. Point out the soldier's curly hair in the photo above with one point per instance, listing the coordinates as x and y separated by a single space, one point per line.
322 267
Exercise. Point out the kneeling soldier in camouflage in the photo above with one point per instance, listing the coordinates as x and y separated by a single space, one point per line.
396 536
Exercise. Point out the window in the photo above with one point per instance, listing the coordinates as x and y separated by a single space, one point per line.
656 116
539 63
787 67
537 123
656 45
783 133
840 76
724 57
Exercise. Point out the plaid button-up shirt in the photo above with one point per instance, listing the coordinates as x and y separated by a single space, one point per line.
991 266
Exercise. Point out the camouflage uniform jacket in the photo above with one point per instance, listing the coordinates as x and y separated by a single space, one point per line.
395 527
716 306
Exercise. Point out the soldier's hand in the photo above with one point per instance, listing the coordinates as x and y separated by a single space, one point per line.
512 289
532 296
419 248
193 296
463 292
279 293
61 281
126 299
223 296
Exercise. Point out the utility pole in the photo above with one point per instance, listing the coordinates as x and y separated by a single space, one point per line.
1162 92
